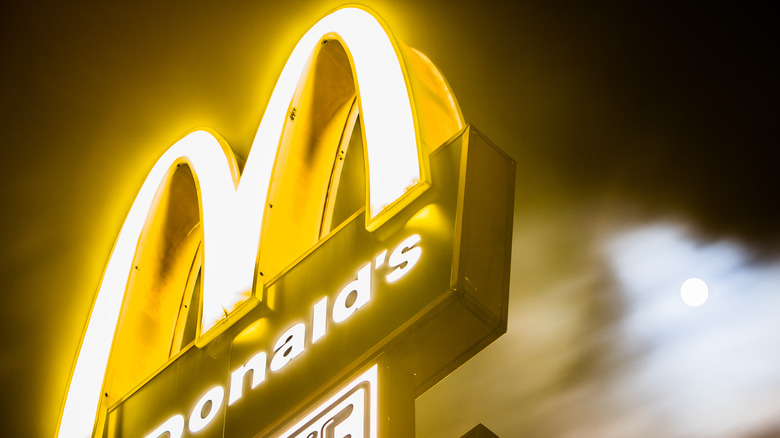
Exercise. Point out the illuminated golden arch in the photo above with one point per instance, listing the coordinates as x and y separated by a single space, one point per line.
398 134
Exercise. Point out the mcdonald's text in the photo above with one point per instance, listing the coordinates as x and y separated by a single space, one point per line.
292 343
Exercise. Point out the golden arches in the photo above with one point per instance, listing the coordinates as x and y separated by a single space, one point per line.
398 133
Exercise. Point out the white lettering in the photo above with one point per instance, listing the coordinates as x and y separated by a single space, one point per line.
289 345
173 427
319 320
257 366
215 396
344 307
404 257
380 259
292 342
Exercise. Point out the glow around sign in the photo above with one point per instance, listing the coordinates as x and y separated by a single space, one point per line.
429 183
233 210
292 342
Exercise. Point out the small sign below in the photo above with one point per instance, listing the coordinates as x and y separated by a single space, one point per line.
350 412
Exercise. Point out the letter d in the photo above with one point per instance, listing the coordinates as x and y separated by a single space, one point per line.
360 289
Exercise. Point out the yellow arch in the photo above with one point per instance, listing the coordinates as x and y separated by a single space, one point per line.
232 209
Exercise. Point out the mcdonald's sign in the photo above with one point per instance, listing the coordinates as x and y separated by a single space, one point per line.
368 226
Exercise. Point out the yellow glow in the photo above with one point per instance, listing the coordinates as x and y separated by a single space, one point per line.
232 212
385 106
216 171
454 108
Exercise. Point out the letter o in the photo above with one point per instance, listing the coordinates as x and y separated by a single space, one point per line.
173 427
215 396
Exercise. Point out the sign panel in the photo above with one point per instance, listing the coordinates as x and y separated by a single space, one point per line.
431 289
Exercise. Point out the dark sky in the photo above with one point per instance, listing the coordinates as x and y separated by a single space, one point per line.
618 116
